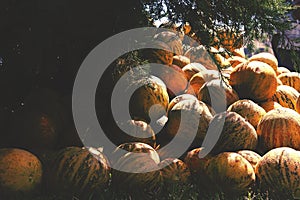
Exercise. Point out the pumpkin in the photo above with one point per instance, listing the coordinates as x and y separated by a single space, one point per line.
239 52
281 70
137 170
200 55
192 69
267 58
231 172
291 79
279 127
20 172
145 97
251 156
198 80
79 171
188 120
217 94
235 133
174 171
136 131
251 111
179 98
181 60
278 172
235 60
218 58
286 96
298 105
269 104
174 79
172 40
196 164
254 80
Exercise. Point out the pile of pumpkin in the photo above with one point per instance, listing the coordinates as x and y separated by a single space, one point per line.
253 103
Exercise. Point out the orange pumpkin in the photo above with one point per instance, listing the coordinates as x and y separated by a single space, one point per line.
254 80
291 79
269 104
181 60
279 127
267 58
192 69
286 96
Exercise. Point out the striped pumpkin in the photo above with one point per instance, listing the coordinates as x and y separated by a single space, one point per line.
286 96
192 69
251 111
291 79
179 98
181 60
269 104
196 164
217 94
79 171
20 172
137 170
188 120
254 80
151 93
174 171
281 70
236 133
235 60
252 157
267 58
279 127
198 80
298 105
278 172
231 172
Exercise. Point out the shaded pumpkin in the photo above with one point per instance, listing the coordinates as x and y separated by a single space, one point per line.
199 79
79 171
286 96
217 94
232 132
235 60
252 157
152 95
291 79
181 60
278 172
239 52
254 80
279 127
269 104
281 70
231 172
267 58
179 98
197 164
298 105
136 171
188 121
251 111
20 172
192 69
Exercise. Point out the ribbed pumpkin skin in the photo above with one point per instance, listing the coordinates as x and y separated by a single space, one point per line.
236 60
144 165
291 79
221 94
175 171
76 171
179 98
298 105
181 60
231 172
145 97
251 111
278 128
199 79
267 58
136 131
20 172
192 69
197 120
237 133
286 96
254 80
252 157
281 70
278 171
269 105
196 164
